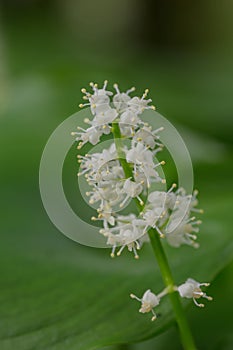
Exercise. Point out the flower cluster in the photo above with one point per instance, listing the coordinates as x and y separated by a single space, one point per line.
190 289
126 171
170 213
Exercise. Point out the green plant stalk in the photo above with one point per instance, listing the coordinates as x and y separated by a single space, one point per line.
184 329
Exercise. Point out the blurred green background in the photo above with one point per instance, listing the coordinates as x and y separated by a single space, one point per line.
183 52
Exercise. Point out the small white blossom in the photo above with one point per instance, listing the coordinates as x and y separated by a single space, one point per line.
163 199
91 135
191 290
182 227
126 233
151 218
98 101
121 99
182 234
143 161
106 215
148 137
157 210
139 154
149 301
132 190
138 105
128 117
103 118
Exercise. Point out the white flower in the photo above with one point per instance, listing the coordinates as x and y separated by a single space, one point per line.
121 99
91 135
138 105
182 234
106 215
139 154
151 217
143 160
163 199
128 123
99 102
96 161
157 210
128 237
191 289
148 137
128 117
125 233
132 190
181 228
149 300
103 118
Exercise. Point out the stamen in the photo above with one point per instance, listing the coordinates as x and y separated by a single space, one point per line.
159 232
113 252
160 163
81 105
116 88
130 90
154 315
145 94
105 84
196 303
136 256
200 211
140 201
133 296
205 284
120 250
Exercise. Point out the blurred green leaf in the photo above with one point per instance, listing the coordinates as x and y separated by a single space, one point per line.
58 295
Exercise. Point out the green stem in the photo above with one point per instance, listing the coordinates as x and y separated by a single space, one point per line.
185 332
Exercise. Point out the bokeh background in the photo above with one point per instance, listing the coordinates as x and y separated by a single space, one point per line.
183 52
